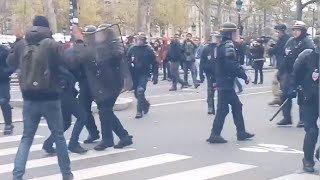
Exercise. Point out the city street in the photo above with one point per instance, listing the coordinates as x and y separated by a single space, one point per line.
170 142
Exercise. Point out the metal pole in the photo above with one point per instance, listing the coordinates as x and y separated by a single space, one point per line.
73 13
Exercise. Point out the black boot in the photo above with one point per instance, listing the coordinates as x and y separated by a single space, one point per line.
300 124
210 110
173 88
216 140
126 141
139 115
146 107
91 138
308 166
68 177
284 122
49 149
242 136
8 129
101 146
77 149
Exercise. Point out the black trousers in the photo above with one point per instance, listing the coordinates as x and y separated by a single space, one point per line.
226 98
110 122
70 105
166 70
5 102
311 114
258 66
286 110
86 100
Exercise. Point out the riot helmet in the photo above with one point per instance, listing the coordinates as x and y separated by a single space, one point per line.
90 29
281 27
228 30
89 32
299 29
215 38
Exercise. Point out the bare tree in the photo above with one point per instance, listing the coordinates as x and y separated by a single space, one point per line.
301 6
51 15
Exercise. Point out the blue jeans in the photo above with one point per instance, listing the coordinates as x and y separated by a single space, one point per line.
140 88
32 113
4 102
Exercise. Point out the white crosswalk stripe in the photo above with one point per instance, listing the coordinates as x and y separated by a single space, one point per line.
131 161
7 139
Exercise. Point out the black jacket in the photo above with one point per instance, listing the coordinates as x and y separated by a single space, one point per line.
56 59
143 61
278 50
208 59
228 66
5 70
175 52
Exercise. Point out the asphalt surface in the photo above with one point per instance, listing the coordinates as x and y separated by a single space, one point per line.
169 143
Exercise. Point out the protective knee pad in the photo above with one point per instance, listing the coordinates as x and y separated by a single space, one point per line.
4 101
140 91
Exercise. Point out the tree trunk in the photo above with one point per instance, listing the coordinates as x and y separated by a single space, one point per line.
50 14
207 22
141 25
299 10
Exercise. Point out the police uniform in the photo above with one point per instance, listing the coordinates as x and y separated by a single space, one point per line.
227 69
293 48
306 74
143 62
207 61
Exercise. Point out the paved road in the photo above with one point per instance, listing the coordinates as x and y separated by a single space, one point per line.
169 144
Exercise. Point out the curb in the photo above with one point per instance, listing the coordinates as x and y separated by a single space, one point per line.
121 104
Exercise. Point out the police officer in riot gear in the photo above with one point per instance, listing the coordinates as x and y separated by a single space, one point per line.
85 96
227 69
293 48
143 62
306 74
207 61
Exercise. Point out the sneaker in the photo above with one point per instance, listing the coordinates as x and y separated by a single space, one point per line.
77 149
101 146
8 129
308 166
146 107
49 150
139 115
284 122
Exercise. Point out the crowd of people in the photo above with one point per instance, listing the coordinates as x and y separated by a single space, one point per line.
105 68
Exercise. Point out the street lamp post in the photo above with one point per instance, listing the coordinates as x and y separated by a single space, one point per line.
239 7
193 28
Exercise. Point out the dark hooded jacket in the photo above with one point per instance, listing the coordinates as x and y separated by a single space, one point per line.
56 58
5 70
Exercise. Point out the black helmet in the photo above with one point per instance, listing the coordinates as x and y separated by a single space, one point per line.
89 29
280 27
228 27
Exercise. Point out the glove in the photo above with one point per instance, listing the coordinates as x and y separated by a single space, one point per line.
155 81
291 94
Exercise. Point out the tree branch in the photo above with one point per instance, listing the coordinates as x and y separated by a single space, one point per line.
199 8
309 2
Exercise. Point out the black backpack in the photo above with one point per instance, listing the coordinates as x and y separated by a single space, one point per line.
35 73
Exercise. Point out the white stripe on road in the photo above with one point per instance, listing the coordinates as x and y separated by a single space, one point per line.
207 172
14 138
73 157
195 100
109 169
45 124
304 176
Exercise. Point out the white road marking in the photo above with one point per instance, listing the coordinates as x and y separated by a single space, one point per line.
109 169
45 124
304 176
196 100
208 172
7 139
73 157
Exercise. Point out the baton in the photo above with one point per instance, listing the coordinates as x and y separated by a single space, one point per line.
275 115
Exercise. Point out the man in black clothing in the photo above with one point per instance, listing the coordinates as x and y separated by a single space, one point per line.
5 73
306 75
278 50
176 57
227 69
143 62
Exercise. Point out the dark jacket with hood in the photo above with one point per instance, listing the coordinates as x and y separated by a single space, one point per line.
175 52
56 58
278 50
5 70
208 60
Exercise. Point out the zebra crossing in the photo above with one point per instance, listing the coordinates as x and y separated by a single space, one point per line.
121 165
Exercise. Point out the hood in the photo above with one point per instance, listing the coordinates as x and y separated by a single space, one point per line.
36 34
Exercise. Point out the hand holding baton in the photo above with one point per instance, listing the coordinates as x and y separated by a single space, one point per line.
282 105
